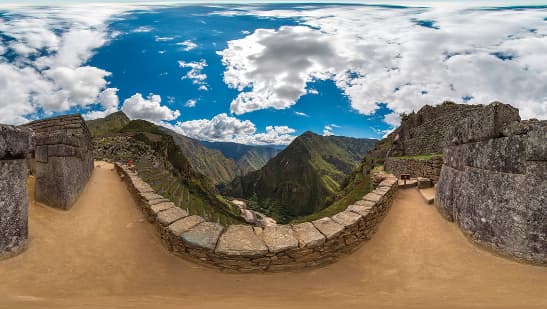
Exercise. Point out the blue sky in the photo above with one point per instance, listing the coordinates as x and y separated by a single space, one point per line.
263 74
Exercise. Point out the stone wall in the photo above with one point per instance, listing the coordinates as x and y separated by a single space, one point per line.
245 248
493 182
63 159
430 168
15 143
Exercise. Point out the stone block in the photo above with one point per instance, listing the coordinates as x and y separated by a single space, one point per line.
484 123
348 219
155 209
308 236
424 183
365 203
204 235
328 227
373 197
240 240
41 154
360 209
536 143
170 215
13 207
184 224
15 142
279 238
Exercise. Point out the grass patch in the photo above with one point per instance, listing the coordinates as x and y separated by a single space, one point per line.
377 169
362 187
424 157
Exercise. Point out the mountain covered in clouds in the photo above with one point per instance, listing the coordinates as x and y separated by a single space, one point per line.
303 178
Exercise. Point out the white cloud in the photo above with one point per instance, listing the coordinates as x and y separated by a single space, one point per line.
190 103
393 119
313 91
51 47
327 130
301 114
188 45
163 38
143 29
195 73
405 58
230 129
138 107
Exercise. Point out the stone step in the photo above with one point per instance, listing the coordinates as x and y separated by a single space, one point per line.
428 194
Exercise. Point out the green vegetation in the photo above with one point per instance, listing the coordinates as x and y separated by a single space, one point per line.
377 169
303 178
112 123
357 186
162 164
248 158
424 157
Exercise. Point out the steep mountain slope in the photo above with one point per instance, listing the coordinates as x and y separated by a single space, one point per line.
112 123
303 178
248 158
160 162
210 162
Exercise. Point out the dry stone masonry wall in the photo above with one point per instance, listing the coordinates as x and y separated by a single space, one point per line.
63 159
244 248
493 182
430 168
427 131
15 143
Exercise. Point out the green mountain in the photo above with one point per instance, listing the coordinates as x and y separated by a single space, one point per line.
160 162
303 178
112 123
248 157
210 162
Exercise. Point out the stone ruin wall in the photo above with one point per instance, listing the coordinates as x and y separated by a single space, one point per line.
430 168
244 248
15 143
426 132
63 159
493 183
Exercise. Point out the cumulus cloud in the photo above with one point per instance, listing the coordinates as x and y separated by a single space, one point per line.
405 58
138 107
230 129
195 73
188 45
109 101
51 47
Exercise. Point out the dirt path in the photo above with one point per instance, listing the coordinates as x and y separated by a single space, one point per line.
102 254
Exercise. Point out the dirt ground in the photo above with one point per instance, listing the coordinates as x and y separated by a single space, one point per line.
102 254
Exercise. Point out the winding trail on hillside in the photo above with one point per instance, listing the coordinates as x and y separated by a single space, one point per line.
102 253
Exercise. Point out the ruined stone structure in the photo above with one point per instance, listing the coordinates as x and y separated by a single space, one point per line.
15 143
63 159
245 248
493 183
426 132
430 168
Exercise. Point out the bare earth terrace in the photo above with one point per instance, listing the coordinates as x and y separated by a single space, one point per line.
104 253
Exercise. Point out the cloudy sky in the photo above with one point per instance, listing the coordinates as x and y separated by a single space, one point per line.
264 73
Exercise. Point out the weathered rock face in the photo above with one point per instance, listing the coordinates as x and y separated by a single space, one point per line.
430 168
15 143
64 159
493 182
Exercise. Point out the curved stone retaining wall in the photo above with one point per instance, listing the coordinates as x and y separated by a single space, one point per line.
15 143
493 182
245 248
415 167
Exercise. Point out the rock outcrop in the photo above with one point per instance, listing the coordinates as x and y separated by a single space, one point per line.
493 182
